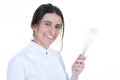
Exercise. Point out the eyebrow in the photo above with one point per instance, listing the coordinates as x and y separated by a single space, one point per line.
48 21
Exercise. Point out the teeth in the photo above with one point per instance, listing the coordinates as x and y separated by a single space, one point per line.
49 36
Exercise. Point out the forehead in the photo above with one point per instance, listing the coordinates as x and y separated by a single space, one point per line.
52 17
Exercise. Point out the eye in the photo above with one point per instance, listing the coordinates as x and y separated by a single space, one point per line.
58 26
48 24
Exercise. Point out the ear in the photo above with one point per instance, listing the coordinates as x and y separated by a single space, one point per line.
34 27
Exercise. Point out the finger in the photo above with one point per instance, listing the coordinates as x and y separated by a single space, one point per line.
81 57
77 69
80 62
78 65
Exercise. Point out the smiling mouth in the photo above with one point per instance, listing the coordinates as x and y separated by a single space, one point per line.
50 37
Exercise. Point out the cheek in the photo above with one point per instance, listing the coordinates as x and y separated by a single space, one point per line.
38 33
59 33
41 30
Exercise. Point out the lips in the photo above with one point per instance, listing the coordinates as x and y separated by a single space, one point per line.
50 37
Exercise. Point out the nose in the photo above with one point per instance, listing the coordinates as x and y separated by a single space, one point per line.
53 31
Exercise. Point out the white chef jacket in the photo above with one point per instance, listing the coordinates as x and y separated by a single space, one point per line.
32 63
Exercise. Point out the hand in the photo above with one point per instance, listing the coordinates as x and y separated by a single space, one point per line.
78 66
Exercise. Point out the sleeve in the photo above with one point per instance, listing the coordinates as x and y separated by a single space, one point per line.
15 70
63 65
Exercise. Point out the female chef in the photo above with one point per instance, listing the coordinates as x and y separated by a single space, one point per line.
37 61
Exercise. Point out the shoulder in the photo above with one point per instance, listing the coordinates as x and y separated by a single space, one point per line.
21 55
18 58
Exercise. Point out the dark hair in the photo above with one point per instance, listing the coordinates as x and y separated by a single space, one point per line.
42 10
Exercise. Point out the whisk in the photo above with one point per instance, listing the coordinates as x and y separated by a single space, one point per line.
89 38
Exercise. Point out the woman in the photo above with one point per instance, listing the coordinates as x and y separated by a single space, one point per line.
37 61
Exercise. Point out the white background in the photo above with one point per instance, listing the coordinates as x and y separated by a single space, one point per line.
103 56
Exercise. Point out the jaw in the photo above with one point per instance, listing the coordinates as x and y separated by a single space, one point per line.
45 41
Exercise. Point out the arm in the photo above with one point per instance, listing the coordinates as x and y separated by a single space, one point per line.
15 70
78 67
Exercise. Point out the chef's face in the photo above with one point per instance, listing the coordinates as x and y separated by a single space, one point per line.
48 29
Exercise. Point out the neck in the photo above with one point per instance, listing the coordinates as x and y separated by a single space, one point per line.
37 42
